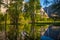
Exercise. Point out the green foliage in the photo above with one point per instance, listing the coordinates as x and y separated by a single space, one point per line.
17 20
1 17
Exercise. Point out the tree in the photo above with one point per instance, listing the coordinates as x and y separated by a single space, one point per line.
32 9
14 10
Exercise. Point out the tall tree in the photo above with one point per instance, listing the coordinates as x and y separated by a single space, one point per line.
14 8
32 13
33 7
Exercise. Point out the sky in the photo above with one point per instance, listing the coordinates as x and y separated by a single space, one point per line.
26 0
46 3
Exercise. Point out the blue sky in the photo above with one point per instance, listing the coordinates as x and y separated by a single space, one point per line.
46 3
26 0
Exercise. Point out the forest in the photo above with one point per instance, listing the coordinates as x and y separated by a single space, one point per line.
20 20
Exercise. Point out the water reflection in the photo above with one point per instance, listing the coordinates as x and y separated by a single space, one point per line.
2 32
42 32
52 33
